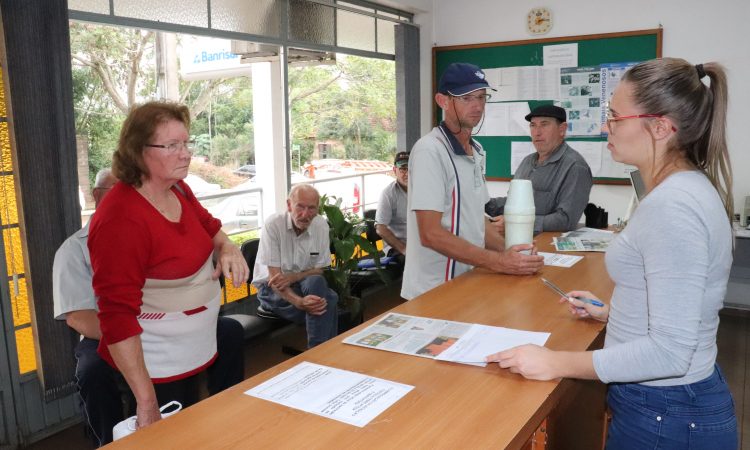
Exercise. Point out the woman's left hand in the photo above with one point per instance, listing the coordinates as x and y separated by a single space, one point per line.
531 361
232 264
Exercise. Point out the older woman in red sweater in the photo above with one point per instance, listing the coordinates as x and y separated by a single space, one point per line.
153 248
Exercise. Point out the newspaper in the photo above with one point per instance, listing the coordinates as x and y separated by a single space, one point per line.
429 338
584 240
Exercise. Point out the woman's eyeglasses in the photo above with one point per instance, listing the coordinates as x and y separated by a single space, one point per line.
175 146
612 118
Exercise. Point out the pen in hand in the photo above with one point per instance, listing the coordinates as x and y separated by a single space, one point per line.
554 287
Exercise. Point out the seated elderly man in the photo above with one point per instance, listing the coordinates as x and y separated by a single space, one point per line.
390 218
294 249
75 303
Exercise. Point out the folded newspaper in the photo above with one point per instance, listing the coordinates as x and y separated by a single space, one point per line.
584 240
443 340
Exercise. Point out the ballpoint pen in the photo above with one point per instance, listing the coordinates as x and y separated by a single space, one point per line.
554 287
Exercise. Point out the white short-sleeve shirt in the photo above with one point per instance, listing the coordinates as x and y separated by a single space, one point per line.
71 276
443 178
280 246
391 212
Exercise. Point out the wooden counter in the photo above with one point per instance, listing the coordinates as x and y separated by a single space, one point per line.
452 405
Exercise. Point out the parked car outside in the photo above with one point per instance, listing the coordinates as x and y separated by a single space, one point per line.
237 212
248 170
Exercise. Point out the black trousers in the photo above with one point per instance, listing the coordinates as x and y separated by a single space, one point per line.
99 384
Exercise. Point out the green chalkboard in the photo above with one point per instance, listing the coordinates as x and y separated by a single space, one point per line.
593 50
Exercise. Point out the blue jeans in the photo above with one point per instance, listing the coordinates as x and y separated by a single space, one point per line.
319 328
690 416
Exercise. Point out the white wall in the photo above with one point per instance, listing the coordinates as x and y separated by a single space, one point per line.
696 30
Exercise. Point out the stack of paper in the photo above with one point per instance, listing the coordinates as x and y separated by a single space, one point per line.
584 240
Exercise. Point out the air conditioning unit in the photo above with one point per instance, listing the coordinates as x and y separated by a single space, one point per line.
251 52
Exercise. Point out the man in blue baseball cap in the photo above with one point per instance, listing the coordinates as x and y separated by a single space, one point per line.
447 192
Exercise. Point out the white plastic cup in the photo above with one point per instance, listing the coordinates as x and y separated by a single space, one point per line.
519 213
128 426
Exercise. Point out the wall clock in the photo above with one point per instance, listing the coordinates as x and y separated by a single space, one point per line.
539 20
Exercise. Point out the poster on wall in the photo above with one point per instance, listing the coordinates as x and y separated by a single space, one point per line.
580 95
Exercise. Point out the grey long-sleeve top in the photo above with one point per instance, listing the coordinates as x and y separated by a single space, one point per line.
670 267
561 183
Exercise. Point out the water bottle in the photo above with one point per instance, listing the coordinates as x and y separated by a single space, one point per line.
519 213
128 426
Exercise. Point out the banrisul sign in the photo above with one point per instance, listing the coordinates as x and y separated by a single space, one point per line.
203 58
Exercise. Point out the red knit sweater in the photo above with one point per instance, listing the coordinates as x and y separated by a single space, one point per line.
130 241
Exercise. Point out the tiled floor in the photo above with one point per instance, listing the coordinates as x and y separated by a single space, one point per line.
734 358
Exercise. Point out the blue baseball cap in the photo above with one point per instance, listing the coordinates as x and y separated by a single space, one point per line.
462 78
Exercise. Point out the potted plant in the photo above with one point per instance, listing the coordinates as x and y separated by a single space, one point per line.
349 246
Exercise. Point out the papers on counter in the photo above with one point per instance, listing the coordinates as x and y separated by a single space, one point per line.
337 394
483 340
430 338
558 260
584 240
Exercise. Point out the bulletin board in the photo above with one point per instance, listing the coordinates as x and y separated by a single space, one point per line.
592 50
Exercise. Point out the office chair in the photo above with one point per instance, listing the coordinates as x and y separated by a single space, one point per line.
371 233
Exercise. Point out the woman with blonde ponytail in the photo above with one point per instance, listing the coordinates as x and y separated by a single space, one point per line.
670 266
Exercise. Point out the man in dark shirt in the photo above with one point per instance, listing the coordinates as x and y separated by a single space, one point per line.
560 176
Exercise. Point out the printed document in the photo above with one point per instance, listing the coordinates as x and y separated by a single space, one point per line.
584 240
429 338
483 340
558 260
563 55
337 394
504 119
524 83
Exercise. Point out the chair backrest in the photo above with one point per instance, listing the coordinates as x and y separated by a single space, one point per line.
249 251
371 234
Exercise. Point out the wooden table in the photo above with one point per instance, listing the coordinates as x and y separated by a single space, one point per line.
451 405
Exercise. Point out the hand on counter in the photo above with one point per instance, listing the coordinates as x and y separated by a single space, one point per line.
531 361
513 262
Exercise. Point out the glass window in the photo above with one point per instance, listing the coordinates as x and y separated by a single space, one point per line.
355 6
355 30
311 22
184 12
386 37
260 17
94 6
